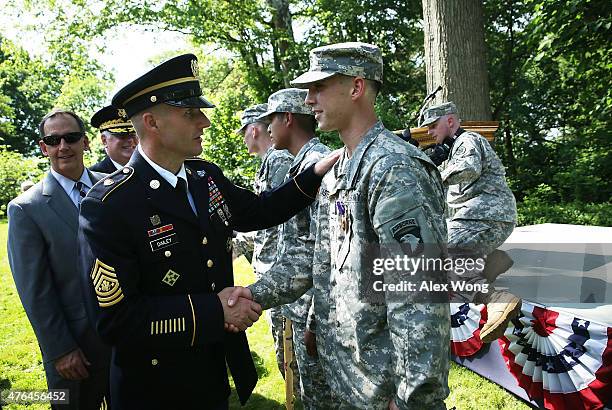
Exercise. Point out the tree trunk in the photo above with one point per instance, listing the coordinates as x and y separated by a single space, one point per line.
283 38
455 56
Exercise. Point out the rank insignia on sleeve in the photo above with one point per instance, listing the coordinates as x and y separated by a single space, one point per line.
171 277
106 284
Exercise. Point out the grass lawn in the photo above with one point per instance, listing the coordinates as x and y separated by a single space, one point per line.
21 365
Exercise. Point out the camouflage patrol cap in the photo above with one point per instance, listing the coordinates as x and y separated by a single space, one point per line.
287 100
432 114
249 116
352 59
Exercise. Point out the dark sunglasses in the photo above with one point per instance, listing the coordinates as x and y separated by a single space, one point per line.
70 138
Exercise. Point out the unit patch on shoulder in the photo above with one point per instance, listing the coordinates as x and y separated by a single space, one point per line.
408 232
107 287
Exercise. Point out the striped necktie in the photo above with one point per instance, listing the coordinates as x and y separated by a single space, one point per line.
82 189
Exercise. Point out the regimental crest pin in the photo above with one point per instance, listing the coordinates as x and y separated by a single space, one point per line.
155 220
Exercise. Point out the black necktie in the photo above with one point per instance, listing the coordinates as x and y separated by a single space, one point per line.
181 187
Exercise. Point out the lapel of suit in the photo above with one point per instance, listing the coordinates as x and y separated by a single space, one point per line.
60 202
198 186
164 197
94 176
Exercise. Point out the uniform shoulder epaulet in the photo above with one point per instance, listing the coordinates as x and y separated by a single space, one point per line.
201 165
197 160
104 187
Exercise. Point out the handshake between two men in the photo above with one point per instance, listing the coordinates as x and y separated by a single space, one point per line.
239 309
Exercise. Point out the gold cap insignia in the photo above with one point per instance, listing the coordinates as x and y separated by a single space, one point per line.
121 113
195 69
106 284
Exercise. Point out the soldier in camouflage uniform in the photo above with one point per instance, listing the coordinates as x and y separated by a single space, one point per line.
274 166
292 127
393 353
481 206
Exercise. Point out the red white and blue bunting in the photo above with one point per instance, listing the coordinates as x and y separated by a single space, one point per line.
564 360
466 322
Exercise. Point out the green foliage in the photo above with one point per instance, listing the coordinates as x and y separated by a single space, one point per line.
27 90
30 87
550 73
542 205
15 169
227 89
549 63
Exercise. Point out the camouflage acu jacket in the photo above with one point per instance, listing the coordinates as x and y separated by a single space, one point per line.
475 177
387 192
297 236
274 166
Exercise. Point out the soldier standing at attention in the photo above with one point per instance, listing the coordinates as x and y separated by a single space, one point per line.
118 137
271 174
382 194
292 127
151 276
482 208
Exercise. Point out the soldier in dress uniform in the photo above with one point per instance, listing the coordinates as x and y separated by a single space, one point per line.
481 206
271 174
292 127
118 137
151 277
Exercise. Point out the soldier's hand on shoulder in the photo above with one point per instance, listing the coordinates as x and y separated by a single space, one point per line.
326 163
239 311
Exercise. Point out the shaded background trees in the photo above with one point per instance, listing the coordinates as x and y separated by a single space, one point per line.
547 64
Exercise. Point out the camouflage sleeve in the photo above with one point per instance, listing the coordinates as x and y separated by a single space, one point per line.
243 245
289 277
401 214
279 168
465 164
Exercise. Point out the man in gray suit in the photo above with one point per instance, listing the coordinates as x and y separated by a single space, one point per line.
42 250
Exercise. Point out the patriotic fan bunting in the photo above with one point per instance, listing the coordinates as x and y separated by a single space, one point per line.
562 359
466 321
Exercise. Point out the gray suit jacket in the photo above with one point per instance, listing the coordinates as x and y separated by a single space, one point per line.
42 251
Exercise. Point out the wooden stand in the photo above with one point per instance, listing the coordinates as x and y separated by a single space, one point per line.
484 128
288 348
